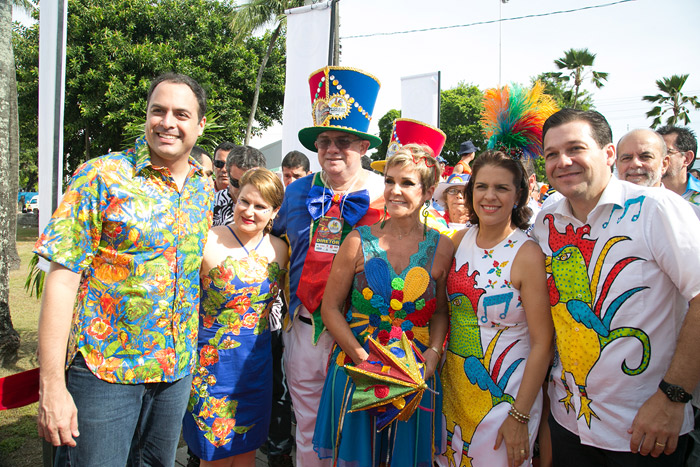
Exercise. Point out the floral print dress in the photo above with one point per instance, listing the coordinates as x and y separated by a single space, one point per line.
383 304
229 408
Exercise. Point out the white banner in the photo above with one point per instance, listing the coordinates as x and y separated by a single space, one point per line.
308 33
420 97
53 23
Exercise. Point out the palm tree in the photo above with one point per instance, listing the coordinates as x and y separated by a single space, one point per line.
578 62
9 184
674 101
250 16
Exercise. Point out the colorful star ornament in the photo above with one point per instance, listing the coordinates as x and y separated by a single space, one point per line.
513 117
407 131
389 384
342 99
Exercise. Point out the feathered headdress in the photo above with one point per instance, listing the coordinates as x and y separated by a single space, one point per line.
513 117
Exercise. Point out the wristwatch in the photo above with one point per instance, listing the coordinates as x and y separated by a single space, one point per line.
674 393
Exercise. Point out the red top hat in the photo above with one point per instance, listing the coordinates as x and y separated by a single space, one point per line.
407 131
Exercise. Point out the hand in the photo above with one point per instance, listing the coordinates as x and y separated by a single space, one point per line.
57 420
360 356
517 441
432 359
656 427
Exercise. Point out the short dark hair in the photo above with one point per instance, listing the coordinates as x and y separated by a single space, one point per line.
522 213
198 90
685 138
366 162
245 158
224 146
197 153
295 159
600 128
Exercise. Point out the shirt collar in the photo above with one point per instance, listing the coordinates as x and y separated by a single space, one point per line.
614 193
142 157
142 152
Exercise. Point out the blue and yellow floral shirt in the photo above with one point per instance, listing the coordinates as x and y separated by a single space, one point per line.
138 243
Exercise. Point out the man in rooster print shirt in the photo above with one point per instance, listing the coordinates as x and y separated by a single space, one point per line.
127 240
619 258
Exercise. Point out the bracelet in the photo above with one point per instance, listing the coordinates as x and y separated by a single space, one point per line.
518 416
436 350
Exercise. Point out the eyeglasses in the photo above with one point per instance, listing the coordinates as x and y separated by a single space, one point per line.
219 164
454 191
234 182
340 143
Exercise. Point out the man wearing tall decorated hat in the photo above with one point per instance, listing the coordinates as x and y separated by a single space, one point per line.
318 211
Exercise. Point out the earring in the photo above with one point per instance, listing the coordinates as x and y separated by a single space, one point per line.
381 226
515 206
425 220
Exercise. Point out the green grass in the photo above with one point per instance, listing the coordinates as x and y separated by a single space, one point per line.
19 444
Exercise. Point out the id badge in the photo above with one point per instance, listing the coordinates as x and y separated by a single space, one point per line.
328 235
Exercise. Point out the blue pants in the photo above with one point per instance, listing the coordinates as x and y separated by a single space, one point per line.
123 424
567 451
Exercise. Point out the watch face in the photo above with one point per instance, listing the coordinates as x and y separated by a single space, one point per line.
676 393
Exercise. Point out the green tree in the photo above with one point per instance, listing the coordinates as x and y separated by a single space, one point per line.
251 16
9 183
460 114
386 125
554 85
672 101
115 48
578 64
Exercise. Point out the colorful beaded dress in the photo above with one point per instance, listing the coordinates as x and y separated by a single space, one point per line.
229 408
383 305
486 352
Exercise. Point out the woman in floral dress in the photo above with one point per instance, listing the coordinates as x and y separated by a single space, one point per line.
500 324
393 274
228 413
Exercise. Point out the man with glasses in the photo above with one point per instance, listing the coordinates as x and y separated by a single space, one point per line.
318 211
240 159
682 149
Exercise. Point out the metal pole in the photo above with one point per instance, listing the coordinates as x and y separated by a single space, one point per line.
499 42
333 36
500 21
439 100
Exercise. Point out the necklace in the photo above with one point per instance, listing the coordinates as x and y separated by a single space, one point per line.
400 235
241 243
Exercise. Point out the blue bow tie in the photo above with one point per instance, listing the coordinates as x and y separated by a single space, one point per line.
353 205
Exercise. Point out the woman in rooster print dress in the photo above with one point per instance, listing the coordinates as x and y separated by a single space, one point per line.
393 274
228 414
500 342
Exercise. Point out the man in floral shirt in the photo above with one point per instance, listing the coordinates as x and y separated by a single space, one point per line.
127 239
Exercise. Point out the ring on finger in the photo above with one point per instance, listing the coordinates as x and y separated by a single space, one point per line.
661 445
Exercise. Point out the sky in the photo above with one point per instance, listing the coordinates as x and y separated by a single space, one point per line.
636 42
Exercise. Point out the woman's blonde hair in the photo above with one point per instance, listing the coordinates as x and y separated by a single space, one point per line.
421 159
268 184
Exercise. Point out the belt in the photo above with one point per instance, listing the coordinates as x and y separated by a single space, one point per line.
306 320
